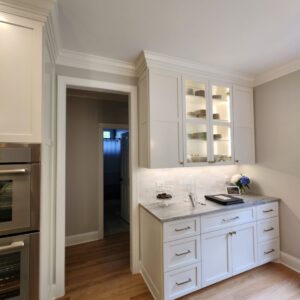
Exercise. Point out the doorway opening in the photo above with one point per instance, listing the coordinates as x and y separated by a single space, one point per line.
97 187
115 145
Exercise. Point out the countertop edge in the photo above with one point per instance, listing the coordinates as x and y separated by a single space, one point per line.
263 201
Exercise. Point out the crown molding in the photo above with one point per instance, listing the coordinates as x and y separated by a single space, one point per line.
278 72
148 59
37 10
95 63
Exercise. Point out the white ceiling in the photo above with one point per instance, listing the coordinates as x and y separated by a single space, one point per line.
244 36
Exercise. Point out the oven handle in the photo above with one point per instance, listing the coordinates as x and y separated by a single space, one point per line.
12 246
14 171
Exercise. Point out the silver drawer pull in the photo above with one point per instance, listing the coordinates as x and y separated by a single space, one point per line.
267 211
232 219
182 229
184 282
270 229
12 246
268 252
14 171
183 253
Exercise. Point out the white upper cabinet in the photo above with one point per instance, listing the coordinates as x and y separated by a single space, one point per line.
243 114
193 121
20 79
160 119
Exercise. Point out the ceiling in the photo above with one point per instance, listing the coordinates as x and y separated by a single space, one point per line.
248 37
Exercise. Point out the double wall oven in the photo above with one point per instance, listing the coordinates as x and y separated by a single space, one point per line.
19 221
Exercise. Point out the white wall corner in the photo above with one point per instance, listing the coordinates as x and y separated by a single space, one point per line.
53 34
278 72
96 63
33 9
290 261
77 239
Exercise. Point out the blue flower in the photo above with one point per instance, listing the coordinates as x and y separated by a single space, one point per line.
245 181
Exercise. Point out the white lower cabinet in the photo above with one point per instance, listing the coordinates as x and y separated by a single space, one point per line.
216 258
185 255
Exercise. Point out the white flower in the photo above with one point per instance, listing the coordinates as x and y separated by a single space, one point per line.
235 178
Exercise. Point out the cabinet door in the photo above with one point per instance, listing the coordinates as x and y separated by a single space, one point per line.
165 119
244 247
196 121
244 145
20 79
216 259
221 120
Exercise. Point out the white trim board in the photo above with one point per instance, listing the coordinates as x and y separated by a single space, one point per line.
278 72
290 261
95 63
60 216
81 238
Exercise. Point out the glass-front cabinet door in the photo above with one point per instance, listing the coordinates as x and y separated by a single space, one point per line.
221 123
207 122
196 122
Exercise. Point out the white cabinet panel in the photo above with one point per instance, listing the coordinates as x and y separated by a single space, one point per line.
179 229
20 79
181 253
268 251
266 211
181 282
216 260
268 229
243 117
244 248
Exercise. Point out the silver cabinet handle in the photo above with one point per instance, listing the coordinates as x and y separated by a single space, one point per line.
182 229
12 246
183 253
232 232
232 219
184 282
270 229
268 252
267 211
14 171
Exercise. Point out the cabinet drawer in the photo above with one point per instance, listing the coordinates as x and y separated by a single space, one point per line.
223 220
181 253
268 251
268 229
181 228
183 281
267 210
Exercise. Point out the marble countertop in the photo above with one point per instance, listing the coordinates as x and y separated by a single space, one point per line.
184 209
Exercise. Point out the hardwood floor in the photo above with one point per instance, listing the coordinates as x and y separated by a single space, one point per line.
100 270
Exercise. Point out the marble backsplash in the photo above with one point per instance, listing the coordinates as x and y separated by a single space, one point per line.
181 181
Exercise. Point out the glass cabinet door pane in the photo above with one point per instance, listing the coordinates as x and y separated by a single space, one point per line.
221 103
196 137
195 100
6 200
222 143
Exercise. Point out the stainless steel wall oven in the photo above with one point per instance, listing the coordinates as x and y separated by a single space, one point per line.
19 221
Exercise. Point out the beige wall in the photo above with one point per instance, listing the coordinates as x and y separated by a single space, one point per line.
83 117
277 173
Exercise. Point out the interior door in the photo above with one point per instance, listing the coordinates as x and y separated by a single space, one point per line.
244 252
125 177
216 256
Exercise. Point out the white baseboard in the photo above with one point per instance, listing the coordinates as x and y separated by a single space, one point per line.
290 261
72 240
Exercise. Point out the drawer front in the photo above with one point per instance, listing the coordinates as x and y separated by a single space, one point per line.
181 282
181 253
268 251
223 220
268 229
181 228
269 210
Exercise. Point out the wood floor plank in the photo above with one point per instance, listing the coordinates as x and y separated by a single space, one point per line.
100 271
